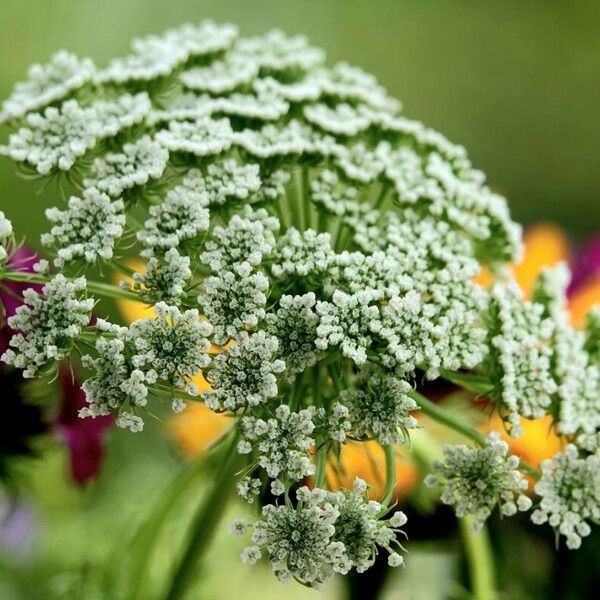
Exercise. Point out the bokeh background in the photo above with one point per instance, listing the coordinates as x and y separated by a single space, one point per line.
516 81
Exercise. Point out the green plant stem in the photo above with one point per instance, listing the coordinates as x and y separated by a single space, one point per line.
204 524
95 287
390 474
480 560
322 453
473 383
441 415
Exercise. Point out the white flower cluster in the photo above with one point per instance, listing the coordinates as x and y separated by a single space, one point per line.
294 324
570 494
171 348
289 214
246 374
136 165
520 353
6 233
221 76
48 324
54 139
46 84
282 443
349 321
576 377
325 533
379 404
202 137
243 243
157 56
234 302
120 113
115 385
88 229
225 181
166 278
174 344
475 480
58 137
180 218
302 254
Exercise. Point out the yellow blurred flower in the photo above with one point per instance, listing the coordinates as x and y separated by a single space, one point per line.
367 461
582 300
544 245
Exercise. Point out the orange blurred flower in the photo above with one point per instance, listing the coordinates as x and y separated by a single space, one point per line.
367 461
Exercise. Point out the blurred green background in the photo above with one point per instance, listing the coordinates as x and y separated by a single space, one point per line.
516 81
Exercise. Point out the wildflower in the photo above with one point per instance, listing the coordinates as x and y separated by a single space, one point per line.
181 217
165 278
174 344
327 532
379 404
234 302
139 163
6 232
570 494
48 323
301 254
45 84
348 322
474 480
281 443
520 355
225 181
294 325
247 238
245 374
113 116
221 76
577 380
275 51
88 229
56 138
257 287
116 385
203 137
344 119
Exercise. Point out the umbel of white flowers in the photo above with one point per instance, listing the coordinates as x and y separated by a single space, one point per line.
312 253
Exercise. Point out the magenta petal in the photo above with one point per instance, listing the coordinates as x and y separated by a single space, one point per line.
585 264
84 437
22 260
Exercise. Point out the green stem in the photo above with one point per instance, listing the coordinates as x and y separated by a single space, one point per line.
381 196
473 383
96 287
173 392
390 474
441 415
322 453
204 525
480 560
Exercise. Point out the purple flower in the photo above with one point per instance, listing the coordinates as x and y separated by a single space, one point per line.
11 292
83 437
586 264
